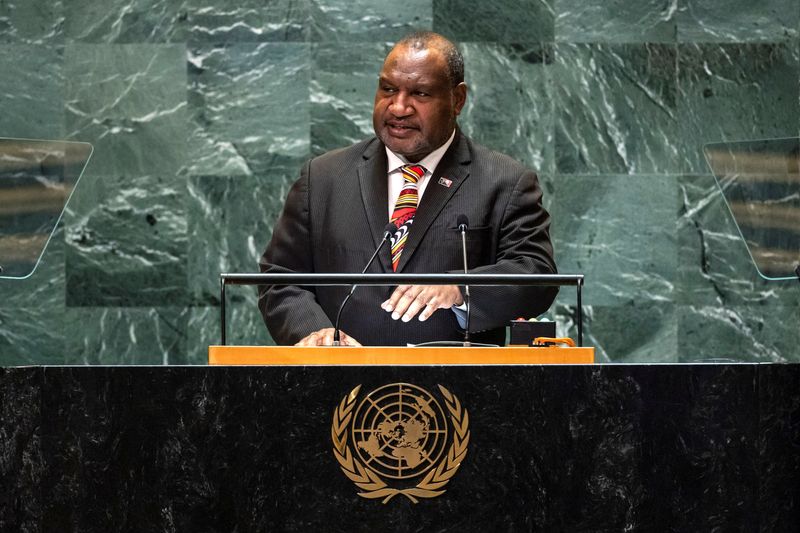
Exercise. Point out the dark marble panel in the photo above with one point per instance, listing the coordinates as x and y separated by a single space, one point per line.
168 451
129 101
617 109
779 447
245 326
714 267
345 76
738 21
509 104
635 332
247 207
249 105
699 458
32 335
37 111
551 448
126 242
125 336
31 21
526 446
126 223
503 21
621 236
739 333
20 449
616 21
735 92
230 220
368 20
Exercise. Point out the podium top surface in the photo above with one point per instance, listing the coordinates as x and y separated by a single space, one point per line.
396 355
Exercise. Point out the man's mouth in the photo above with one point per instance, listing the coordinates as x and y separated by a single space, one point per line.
399 129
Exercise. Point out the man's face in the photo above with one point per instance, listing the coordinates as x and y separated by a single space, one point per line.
415 105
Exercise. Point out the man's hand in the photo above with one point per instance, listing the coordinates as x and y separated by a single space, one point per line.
324 337
408 300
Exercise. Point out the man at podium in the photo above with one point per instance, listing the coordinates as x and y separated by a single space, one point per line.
421 174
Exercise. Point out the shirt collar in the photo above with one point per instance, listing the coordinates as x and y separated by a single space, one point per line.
430 161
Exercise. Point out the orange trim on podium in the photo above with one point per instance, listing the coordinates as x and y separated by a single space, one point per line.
396 355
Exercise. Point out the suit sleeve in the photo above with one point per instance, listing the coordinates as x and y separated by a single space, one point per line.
523 247
291 312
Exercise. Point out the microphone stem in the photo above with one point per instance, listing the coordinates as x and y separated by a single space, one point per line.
336 331
466 287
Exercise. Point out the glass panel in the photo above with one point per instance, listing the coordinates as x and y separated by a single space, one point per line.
36 181
760 181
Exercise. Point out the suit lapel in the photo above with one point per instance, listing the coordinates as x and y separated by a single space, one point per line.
454 167
372 177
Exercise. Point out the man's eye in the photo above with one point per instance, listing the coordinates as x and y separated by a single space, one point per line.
388 89
420 93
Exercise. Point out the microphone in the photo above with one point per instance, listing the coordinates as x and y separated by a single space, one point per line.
388 231
463 223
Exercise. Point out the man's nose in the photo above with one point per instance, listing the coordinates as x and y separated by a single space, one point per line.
401 105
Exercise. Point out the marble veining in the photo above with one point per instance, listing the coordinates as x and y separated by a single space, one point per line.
201 113
618 109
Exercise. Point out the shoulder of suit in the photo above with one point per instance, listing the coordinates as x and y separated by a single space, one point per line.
483 156
346 155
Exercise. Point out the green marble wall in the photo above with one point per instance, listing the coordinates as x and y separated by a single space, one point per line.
202 111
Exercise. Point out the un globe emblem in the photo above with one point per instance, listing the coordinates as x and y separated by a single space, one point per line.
400 433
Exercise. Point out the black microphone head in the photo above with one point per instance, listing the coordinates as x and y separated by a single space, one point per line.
389 230
462 222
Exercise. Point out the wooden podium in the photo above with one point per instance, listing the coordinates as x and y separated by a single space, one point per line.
396 355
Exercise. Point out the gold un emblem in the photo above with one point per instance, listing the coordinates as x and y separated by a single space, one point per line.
399 433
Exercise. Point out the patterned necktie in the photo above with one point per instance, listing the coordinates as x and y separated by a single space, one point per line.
405 209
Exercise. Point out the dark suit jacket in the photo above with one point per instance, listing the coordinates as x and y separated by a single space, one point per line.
334 218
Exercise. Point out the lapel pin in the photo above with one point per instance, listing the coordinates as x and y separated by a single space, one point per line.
446 182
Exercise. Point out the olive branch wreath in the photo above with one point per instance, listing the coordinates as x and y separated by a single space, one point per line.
374 487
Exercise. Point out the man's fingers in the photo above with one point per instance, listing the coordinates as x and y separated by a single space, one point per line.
308 340
390 304
414 301
429 310
413 308
435 301
401 299
324 337
347 340
407 302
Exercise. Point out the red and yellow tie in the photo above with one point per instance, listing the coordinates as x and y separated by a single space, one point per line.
405 209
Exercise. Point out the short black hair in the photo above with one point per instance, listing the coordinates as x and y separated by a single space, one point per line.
422 40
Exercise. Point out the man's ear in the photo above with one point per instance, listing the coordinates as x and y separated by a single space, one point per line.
460 95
